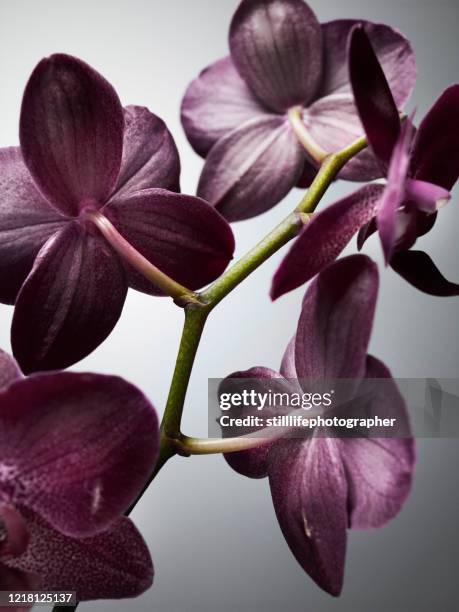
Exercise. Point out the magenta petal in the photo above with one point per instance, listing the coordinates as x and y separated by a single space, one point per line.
394 193
111 565
26 222
276 45
365 232
436 152
418 269
336 320
9 370
71 133
182 235
150 157
373 97
379 470
426 196
323 239
69 303
309 492
80 447
252 168
15 537
215 103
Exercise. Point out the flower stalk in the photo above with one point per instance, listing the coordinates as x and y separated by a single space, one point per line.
314 150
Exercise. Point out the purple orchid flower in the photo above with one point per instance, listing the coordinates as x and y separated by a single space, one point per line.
80 152
421 168
66 478
321 486
285 81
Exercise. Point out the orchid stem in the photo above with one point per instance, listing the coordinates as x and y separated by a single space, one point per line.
128 253
312 148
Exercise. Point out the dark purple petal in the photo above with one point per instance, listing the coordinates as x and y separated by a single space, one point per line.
79 448
69 303
308 175
365 232
26 223
436 150
183 236
379 470
9 370
14 532
336 320
393 50
394 194
418 269
309 492
288 367
215 103
252 168
253 463
323 238
277 47
110 565
373 97
333 123
71 133
426 196
150 157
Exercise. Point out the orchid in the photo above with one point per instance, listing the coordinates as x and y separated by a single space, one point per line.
81 157
268 114
66 478
421 169
322 485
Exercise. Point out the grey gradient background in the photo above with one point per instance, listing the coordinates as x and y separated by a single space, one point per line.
213 534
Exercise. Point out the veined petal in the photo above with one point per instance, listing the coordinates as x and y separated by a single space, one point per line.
69 303
79 448
373 97
392 48
215 103
324 237
436 152
111 565
309 492
9 370
71 133
150 157
183 236
26 222
394 193
418 269
252 168
336 320
426 196
276 46
379 470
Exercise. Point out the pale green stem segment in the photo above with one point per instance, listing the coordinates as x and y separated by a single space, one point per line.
128 253
196 314
313 149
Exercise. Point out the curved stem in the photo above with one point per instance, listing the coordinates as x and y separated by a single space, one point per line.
314 150
187 445
128 253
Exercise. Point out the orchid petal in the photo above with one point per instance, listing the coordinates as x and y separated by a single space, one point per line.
418 269
150 157
26 222
215 103
276 47
79 448
252 168
379 470
183 236
336 320
71 133
15 535
373 97
436 152
309 492
9 370
111 565
427 197
324 237
69 303
394 193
